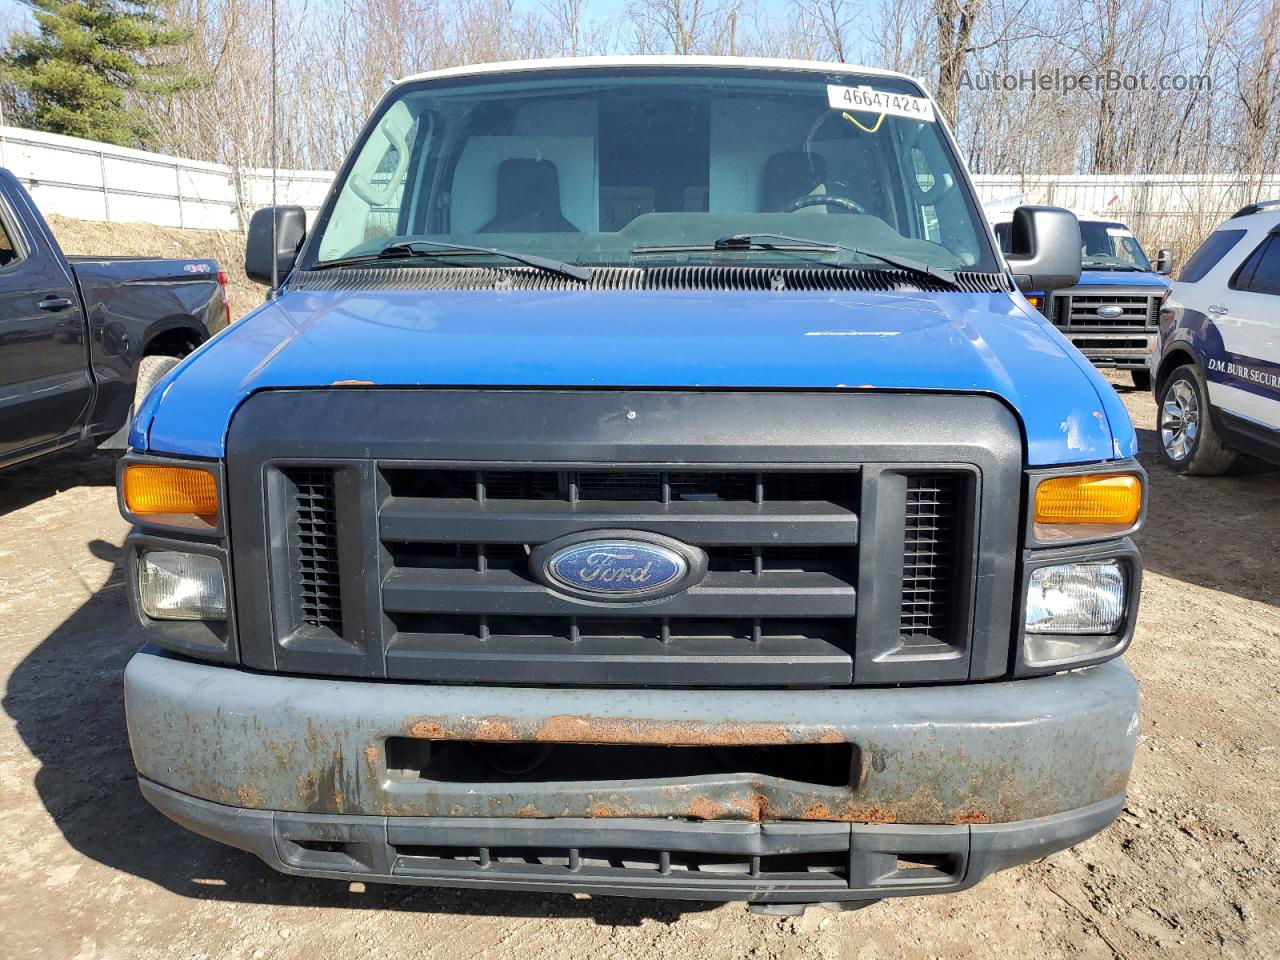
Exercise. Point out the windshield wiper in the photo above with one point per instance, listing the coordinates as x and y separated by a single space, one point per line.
1112 266
762 241
408 249
785 242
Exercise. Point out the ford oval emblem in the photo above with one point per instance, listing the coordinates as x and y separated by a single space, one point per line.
1110 311
618 565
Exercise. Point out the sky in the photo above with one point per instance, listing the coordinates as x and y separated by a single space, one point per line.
15 12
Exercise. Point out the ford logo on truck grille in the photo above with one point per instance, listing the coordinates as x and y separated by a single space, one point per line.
1110 311
618 565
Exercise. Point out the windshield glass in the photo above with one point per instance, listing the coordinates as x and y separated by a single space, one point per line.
642 165
1111 246
1105 245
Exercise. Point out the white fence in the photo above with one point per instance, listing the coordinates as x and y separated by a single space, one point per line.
1151 203
97 181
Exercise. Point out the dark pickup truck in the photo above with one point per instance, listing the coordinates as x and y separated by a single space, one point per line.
83 339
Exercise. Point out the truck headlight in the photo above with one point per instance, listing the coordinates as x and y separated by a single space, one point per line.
1074 612
1076 598
173 585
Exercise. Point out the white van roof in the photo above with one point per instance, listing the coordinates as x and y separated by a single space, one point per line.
573 63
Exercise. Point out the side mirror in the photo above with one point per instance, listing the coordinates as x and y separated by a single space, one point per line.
1044 249
275 234
1164 262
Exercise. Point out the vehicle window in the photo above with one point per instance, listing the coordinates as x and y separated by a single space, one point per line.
8 252
1260 273
1209 253
378 176
603 166
1110 246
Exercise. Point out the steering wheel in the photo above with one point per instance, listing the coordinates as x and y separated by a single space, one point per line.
825 200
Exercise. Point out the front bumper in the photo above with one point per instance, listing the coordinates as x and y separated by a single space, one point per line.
1128 351
959 780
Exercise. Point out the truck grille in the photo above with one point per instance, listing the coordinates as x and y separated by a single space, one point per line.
1079 311
780 586
847 542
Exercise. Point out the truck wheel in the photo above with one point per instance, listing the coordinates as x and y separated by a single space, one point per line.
1188 441
1141 379
150 370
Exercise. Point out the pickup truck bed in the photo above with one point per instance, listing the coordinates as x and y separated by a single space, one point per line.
74 331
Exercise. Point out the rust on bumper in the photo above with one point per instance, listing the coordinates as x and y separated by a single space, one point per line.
564 728
964 754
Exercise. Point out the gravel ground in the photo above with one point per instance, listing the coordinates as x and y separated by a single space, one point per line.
1192 867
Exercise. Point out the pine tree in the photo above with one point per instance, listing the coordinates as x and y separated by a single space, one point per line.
85 68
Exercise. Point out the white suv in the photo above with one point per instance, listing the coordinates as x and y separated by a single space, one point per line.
1217 356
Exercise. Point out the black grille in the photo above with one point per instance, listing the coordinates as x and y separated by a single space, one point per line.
1079 311
465 605
656 486
798 500
1111 343
313 548
575 861
929 557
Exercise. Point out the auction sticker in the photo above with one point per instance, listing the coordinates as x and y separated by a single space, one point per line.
880 101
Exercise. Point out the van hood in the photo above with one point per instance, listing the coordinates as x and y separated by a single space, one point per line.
937 342
1116 278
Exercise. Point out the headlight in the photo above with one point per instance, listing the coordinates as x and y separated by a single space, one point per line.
1076 598
1075 612
181 586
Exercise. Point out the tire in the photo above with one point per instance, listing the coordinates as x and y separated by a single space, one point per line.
1141 379
1189 444
150 370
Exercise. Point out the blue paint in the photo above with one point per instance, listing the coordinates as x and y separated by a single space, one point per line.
990 343
1121 278
616 568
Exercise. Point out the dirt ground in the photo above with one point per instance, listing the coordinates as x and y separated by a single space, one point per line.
88 870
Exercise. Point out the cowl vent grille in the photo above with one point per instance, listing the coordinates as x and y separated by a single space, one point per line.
700 277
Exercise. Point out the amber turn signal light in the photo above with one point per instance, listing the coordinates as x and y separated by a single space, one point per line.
1091 505
174 496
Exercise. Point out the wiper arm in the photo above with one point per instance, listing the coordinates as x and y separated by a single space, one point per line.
434 248
781 241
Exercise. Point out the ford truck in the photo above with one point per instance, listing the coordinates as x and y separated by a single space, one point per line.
83 339
645 478
1110 315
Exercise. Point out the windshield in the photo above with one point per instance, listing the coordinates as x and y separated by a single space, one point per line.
1105 245
641 165
1111 246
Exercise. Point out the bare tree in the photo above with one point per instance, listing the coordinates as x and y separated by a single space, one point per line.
955 21
336 59
1256 88
685 27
